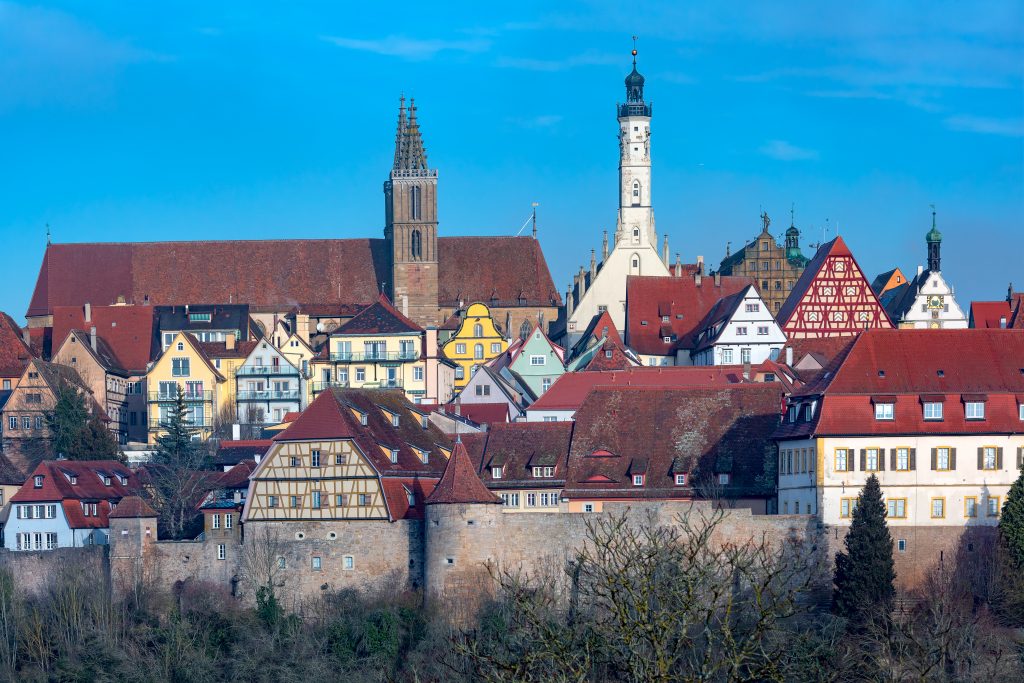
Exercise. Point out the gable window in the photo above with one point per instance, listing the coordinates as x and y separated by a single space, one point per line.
762 330
974 410
638 480
933 411
37 481
339 459
752 308
478 330
681 480
394 420
483 389
460 348
272 502
884 411
537 360
543 471
180 367
545 383
741 331
808 411
496 472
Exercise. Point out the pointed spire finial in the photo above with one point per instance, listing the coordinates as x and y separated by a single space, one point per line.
47 234
792 215
634 50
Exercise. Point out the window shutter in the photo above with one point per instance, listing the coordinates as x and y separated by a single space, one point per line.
881 459
913 459
999 458
892 459
952 458
863 459
1020 457
935 458
981 457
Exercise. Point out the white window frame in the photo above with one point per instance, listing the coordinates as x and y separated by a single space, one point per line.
537 360
974 410
681 479
222 553
638 480
933 411
885 411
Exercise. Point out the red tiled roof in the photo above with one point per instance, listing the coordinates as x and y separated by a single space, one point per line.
380 317
482 413
1017 304
661 432
220 349
14 353
238 476
569 390
396 495
256 272
322 419
460 483
687 304
602 361
132 506
826 348
88 486
911 366
517 447
990 314
127 331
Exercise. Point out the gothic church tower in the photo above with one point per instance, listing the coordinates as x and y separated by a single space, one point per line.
636 217
410 227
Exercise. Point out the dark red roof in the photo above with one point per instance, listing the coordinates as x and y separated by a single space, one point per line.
126 330
482 413
396 495
322 419
990 314
517 447
89 486
380 317
611 356
261 272
911 366
686 303
460 483
14 353
661 432
132 506
569 390
221 350
238 476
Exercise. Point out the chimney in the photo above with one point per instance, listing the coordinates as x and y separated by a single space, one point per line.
664 250
302 326
678 268
431 342
696 278
568 301
229 341
88 312
1002 323
186 310
789 356
718 279
746 371
700 263
92 337
920 269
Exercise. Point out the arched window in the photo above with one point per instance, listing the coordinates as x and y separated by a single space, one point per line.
634 264
478 330
414 203
636 235
524 329
478 351
636 193
416 245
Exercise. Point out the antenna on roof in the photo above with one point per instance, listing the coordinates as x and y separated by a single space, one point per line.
47 234
532 217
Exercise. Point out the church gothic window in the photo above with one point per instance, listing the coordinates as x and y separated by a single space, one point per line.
636 193
636 235
414 203
524 329
416 244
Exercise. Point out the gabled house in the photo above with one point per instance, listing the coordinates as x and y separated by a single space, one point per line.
298 352
832 298
185 365
14 353
1006 314
207 323
525 464
268 386
601 348
535 361
490 387
65 504
26 433
476 342
889 280
738 329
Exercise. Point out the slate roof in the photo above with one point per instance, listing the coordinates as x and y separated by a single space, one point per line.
908 367
721 312
661 432
260 273
686 303
132 507
460 484
221 350
569 390
380 317
14 352
517 447
88 486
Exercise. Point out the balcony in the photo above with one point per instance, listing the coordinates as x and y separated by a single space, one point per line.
268 395
317 387
188 396
267 371
156 424
353 357
384 384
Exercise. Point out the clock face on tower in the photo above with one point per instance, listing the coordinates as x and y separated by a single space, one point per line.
935 301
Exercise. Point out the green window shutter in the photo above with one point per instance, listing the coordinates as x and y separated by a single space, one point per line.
952 458
913 459
935 458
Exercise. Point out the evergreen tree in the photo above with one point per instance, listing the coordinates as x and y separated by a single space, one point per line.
177 471
1011 523
865 573
97 443
76 433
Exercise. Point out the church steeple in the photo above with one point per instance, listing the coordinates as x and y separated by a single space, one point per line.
934 240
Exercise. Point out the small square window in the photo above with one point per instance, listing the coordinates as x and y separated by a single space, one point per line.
723 479
348 563
588 507
680 480
638 480
901 545
316 564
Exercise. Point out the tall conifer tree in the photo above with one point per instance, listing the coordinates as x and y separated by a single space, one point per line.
865 572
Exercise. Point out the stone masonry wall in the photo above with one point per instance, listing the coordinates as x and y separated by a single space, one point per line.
34 572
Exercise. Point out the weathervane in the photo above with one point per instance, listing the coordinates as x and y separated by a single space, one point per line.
634 50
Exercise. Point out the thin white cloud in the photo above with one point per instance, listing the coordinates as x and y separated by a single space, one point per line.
584 59
409 48
785 151
988 126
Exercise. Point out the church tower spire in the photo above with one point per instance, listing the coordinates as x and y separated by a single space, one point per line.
410 223
934 240
636 217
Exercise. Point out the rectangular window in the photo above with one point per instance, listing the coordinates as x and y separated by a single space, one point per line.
726 356
938 508
221 551
680 480
970 506
272 502
316 499
884 411
496 348
348 563
51 541
723 479
537 360
843 460
993 506
744 356
846 507
942 460
638 480
1020 409
510 499
752 308
295 501
316 564
901 545
902 459
316 458
417 374
295 461
496 473
12 422
871 463
215 519
896 508
339 459
741 331
180 367
988 460
229 520
531 500
26 422
360 374
974 410
762 330
545 384
933 411
460 348
364 499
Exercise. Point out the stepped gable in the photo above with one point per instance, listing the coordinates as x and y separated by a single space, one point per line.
649 300
460 484
508 270
127 332
132 507
832 298
701 432
14 352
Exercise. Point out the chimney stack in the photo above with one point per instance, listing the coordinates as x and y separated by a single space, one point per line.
678 268
664 250
789 356
92 337
568 301
718 279
88 312
697 278
700 264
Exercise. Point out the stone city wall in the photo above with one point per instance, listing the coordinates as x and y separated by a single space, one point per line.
35 571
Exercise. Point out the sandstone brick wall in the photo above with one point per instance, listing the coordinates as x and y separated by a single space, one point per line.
34 572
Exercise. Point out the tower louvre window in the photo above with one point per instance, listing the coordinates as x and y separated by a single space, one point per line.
415 204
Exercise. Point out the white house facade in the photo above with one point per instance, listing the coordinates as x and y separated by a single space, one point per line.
269 386
739 329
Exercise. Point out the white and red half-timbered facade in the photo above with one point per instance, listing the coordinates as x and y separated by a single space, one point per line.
832 298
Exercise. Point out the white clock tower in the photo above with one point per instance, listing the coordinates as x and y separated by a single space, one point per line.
635 251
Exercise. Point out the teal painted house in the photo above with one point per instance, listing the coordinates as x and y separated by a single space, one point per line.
535 361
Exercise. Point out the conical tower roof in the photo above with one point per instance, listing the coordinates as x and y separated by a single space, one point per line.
460 483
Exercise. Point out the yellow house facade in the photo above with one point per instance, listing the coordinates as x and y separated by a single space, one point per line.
377 349
186 366
476 342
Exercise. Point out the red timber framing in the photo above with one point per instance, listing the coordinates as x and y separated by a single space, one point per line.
832 298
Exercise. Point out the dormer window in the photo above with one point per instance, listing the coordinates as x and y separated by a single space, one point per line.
933 410
37 481
411 497
638 480
496 472
974 410
884 411
424 420
539 472
808 412
363 419
394 420
394 455
106 480
681 479
792 413
723 479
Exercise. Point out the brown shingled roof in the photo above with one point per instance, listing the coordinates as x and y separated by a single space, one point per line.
126 330
459 483
14 353
132 506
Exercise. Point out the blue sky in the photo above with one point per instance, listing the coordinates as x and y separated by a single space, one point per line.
145 121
